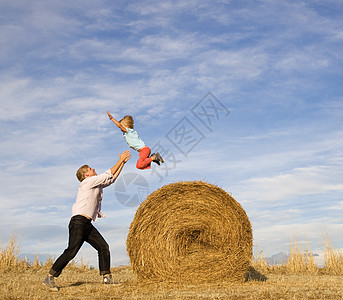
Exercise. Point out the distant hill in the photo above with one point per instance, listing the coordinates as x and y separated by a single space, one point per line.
277 259
280 258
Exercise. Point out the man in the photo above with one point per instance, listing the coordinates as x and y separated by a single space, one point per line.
86 209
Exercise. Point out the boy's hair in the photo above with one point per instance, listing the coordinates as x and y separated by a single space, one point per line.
127 121
80 174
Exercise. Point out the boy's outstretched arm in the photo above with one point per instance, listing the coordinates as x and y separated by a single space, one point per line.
121 127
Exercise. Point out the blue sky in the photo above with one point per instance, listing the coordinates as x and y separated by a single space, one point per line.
272 69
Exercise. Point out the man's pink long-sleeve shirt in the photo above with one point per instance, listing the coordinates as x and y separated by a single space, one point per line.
89 195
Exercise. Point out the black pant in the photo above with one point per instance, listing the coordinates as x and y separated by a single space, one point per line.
81 230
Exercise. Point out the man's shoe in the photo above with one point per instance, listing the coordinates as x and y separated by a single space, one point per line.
107 279
50 283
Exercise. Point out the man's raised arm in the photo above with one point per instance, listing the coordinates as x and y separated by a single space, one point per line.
123 158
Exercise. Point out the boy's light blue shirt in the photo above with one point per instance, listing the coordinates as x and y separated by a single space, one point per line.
133 140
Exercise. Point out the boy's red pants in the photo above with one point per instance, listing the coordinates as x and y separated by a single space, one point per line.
144 161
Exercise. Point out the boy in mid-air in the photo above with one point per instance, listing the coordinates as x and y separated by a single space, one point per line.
126 125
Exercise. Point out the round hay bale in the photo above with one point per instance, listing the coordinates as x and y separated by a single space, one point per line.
190 231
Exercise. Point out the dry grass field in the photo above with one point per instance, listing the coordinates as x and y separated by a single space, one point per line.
299 278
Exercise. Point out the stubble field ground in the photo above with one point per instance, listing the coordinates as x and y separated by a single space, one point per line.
86 284
298 278
77 283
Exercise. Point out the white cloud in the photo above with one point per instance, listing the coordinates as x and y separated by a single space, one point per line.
302 181
336 207
34 186
20 97
304 60
275 238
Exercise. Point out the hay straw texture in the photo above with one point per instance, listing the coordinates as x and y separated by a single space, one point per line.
190 232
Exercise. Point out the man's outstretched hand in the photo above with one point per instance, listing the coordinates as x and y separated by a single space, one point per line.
125 156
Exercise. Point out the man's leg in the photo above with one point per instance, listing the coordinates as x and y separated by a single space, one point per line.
96 240
78 229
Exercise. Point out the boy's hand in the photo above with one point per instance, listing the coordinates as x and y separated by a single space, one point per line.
121 127
109 115
125 156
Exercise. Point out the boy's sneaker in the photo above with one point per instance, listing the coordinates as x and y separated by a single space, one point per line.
155 160
50 283
107 279
159 158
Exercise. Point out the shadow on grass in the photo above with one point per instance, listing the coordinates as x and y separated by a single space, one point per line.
254 275
79 283
76 284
